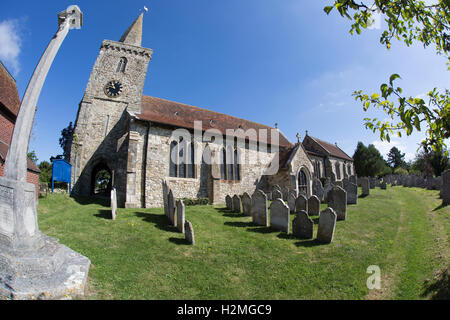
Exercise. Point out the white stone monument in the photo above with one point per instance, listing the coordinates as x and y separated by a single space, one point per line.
33 265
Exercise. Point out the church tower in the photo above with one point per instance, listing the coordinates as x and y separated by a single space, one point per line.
113 92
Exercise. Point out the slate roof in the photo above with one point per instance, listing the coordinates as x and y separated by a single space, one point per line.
182 115
329 148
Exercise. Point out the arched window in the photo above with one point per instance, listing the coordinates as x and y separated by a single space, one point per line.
173 170
122 65
302 182
237 174
349 169
191 164
223 164
229 162
182 159
338 170
317 169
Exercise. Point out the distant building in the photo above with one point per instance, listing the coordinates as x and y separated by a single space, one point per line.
9 109
124 139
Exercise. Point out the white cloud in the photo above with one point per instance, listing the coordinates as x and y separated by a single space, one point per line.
384 147
10 44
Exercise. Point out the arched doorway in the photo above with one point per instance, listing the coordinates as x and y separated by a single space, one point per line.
101 180
303 182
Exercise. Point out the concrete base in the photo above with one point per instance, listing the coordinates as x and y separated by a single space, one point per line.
53 271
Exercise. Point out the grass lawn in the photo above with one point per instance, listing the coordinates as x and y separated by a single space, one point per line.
404 231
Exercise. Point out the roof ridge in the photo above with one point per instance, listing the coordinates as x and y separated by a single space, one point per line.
209 110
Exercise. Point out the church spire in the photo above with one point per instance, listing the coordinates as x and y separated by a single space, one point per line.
133 35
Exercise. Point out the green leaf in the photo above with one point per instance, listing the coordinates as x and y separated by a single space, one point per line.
327 9
393 77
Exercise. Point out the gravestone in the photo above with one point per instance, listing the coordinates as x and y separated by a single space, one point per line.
365 185
279 216
276 187
353 179
372 182
383 185
113 203
229 202
317 188
259 209
189 232
301 203
327 224
313 206
165 187
171 205
246 204
236 204
352 192
326 189
446 187
337 200
180 216
291 201
339 184
276 194
285 193
302 226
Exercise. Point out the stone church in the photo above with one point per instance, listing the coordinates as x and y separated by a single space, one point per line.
141 140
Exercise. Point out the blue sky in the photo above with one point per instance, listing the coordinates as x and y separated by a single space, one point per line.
263 60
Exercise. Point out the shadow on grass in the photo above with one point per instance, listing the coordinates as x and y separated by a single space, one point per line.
439 289
159 220
105 202
363 196
235 215
440 207
105 214
263 230
179 241
309 243
223 210
286 236
240 224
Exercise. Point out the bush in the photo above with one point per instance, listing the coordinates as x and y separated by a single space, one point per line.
400 170
195 202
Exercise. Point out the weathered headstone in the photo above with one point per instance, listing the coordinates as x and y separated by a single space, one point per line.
246 204
328 186
383 185
302 226
285 193
301 203
327 224
339 184
313 206
372 182
165 187
353 179
113 203
337 200
229 202
276 194
317 189
365 185
180 216
189 232
291 201
352 192
34 265
446 187
260 209
237 204
279 215
171 205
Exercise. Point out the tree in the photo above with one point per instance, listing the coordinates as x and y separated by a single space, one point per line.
430 163
66 140
46 172
396 158
408 21
32 156
368 161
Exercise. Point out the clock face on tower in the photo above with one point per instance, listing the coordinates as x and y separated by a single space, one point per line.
113 89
